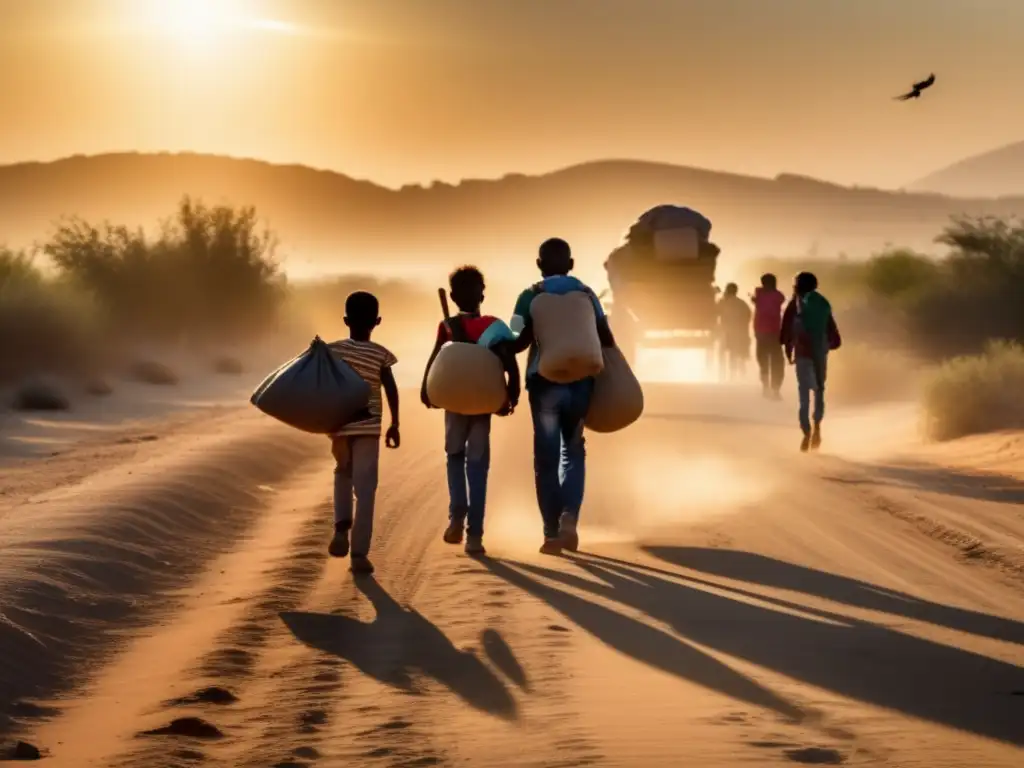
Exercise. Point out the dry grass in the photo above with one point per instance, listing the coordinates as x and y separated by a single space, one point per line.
975 394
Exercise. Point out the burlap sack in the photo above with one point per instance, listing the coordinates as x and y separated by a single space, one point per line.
565 328
618 398
314 391
467 379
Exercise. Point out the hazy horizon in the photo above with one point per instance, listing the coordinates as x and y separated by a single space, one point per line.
404 92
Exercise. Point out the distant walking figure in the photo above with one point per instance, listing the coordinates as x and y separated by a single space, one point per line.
809 333
915 91
768 303
734 333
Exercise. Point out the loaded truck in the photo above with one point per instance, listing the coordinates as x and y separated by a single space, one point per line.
661 282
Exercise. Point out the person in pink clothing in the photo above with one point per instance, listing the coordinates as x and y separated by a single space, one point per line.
768 302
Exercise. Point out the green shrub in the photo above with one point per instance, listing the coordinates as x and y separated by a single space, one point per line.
899 272
977 393
45 326
212 271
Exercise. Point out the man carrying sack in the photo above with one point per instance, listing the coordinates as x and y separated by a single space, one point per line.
558 408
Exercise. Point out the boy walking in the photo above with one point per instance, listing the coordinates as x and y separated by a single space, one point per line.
467 439
809 333
558 410
768 303
356 447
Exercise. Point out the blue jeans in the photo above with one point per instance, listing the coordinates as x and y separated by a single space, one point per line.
467 441
559 456
807 382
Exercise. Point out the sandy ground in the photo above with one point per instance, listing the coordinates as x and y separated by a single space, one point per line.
736 602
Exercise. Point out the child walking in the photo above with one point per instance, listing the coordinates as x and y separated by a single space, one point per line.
356 447
467 439
809 333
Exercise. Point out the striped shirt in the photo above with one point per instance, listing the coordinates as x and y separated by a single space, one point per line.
369 360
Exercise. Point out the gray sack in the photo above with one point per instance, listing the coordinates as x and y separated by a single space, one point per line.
314 391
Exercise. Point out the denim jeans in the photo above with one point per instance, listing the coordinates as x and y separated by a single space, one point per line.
467 442
559 456
807 382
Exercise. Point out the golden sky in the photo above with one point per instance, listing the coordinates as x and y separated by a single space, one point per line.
402 91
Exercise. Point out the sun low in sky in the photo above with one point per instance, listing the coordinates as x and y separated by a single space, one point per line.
412 91
204 22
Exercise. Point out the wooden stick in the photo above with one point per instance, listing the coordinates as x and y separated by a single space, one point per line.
443 296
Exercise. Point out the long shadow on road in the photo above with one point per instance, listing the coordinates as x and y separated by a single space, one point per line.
399 644
853 658
768 572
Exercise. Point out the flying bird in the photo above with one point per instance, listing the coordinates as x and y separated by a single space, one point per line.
915 91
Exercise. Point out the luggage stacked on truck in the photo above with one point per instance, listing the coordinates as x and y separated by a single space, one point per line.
663 274
667 244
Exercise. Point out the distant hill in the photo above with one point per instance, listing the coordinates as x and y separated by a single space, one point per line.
334 222
990 174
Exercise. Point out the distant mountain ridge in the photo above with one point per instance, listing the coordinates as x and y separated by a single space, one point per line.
999 172
337 222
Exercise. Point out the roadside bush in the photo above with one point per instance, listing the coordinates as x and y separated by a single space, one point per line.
899 273
45 326
211 272
977 393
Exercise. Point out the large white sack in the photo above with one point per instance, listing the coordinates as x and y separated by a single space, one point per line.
315 391
618 398
467 379
565 329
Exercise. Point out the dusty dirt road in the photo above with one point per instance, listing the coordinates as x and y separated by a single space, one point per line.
167 600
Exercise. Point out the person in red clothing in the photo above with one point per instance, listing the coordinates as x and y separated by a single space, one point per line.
768 301
467 439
